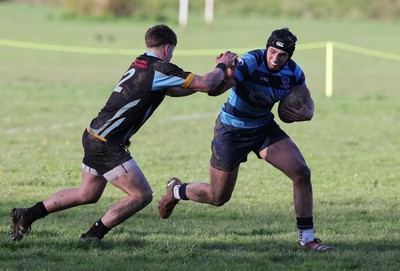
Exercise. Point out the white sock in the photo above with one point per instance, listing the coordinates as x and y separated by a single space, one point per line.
176 192
306 236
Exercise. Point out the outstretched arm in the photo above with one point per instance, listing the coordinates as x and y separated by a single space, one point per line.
180 92
211 80
227 83
208 81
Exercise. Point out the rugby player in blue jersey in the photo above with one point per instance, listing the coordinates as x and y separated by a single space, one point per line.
106 140
262 77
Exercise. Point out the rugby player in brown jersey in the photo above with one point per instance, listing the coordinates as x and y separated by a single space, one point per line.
106 139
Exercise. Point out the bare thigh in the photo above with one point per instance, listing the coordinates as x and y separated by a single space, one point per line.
222 184
92 186
133 183
285 156
223 181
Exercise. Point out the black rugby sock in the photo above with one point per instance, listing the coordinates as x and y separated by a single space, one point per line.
36 212
305 223
98 230
182 191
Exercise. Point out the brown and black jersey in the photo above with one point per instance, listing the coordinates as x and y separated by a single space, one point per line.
139 92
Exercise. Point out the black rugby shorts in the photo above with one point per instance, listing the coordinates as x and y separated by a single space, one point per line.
231 145
103 156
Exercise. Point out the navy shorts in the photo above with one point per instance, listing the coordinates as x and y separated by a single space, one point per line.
103 156
231 145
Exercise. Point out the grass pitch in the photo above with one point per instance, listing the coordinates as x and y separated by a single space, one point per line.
352 144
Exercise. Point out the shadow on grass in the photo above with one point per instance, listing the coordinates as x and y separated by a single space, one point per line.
241 250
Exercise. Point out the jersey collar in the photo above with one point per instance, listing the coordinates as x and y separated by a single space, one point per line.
151 54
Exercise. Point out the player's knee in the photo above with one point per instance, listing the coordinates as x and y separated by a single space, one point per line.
303 175
220 200
147 197
143 198
89 199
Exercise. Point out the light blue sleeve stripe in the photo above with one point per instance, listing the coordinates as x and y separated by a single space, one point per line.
162 81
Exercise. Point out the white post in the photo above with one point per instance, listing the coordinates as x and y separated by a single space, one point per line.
183 13
329 70
209 12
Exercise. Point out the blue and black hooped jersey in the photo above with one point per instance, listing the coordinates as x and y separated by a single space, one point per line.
258 89
139 92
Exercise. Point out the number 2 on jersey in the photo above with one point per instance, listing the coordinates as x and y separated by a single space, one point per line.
126 76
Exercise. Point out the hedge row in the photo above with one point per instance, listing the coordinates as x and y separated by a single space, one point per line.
167 9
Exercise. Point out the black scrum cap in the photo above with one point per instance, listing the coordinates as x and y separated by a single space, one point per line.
283 39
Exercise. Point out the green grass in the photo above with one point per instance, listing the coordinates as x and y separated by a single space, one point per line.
352 145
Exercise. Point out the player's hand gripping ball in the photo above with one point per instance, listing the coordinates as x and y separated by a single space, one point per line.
296 98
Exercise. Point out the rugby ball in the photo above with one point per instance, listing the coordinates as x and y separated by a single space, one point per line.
296 97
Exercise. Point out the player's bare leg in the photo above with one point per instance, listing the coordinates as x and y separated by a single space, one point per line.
218 191
90 192
285 156
139 195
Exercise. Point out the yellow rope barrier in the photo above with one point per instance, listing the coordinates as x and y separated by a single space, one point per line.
329 46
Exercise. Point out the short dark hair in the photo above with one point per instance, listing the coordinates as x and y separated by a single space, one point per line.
283 39
158 35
